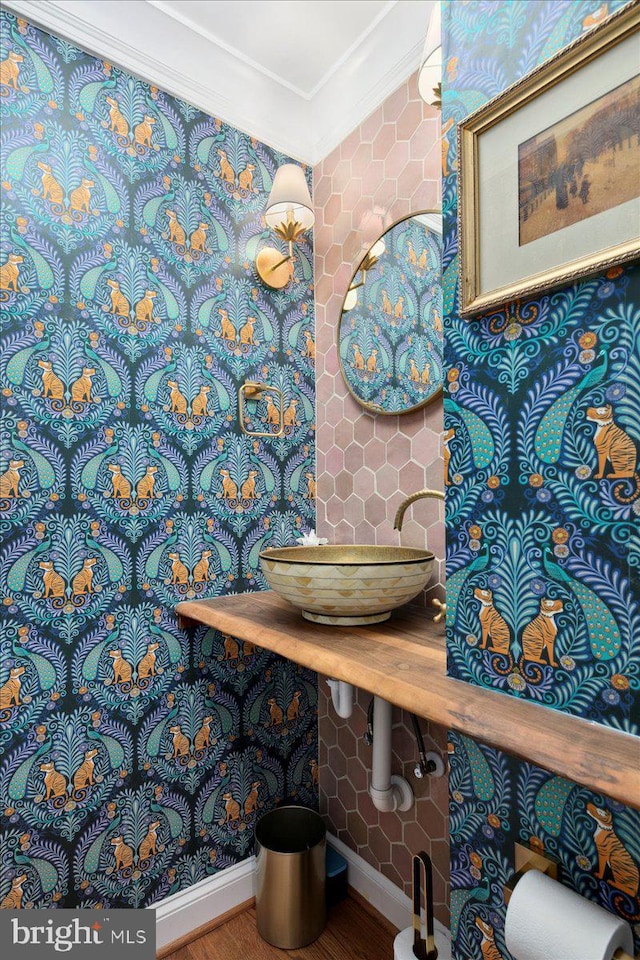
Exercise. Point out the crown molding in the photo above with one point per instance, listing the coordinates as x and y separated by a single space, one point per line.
105 43
181 60
212 38
333 128
350 51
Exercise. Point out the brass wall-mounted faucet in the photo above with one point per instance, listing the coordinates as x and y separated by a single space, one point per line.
397 523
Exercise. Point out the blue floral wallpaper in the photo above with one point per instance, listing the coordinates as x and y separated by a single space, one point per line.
390 342
542 555
136 756
496 801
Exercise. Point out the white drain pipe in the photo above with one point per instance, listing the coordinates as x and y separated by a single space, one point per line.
388 792
341 697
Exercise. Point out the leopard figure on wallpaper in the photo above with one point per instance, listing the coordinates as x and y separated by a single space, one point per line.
615 864
615 446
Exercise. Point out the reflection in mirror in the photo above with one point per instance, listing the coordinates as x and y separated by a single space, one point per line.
390 330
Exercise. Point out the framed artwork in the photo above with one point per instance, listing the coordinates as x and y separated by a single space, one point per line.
549 177
390 329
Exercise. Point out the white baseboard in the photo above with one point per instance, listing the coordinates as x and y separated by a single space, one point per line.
389 900
185 911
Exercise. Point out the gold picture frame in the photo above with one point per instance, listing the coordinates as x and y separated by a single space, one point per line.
478 294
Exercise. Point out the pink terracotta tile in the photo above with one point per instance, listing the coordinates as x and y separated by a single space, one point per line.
424 138
344 484
333 258
373 221
384 141
347 794
337 814
426 196
364 482
370 127
334 461
410 178
362 158
353 460
341 175
322 188
396 159
413 476
394 105
349 146
351 193
410 119
332 208
352 248
376 509
322 239
396 453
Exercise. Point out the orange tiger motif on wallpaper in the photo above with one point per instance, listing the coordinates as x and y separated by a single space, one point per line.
539 636
488 947
614 446
493 624
13 900
615 864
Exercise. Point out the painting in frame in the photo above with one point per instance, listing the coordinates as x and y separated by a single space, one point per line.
549 180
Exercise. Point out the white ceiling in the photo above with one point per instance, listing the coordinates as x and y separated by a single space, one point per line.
299 75
295 43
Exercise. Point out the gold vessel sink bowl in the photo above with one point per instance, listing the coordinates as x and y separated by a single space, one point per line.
347 585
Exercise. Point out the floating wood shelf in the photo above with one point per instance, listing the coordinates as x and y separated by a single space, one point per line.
404 661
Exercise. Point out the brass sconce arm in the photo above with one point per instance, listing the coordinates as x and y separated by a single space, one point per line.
289 213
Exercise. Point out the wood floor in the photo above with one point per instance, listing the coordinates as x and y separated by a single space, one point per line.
352 933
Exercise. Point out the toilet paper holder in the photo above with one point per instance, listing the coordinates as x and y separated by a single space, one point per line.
528 858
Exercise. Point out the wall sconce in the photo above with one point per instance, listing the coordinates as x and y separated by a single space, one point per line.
430 74
371 257
289 213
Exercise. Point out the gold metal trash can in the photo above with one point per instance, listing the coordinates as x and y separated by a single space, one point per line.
290 876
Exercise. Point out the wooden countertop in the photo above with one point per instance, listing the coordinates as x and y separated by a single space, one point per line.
404 661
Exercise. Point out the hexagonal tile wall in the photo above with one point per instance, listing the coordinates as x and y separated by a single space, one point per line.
386 169
385 840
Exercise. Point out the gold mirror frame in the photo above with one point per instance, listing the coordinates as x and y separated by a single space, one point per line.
373 407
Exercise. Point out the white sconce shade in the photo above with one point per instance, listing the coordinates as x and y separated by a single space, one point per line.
430 75
351 300
377 249
289 195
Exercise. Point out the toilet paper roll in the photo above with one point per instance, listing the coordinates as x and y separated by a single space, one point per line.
547 921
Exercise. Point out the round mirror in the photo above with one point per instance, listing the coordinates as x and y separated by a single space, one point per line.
390 330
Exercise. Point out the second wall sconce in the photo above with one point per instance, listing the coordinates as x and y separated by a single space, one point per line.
430 73
289 213
371 257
